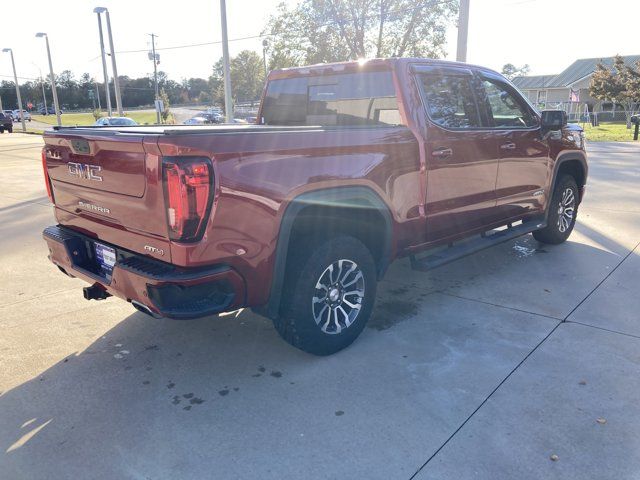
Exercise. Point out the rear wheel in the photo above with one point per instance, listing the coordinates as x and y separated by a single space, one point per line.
328 296
562 212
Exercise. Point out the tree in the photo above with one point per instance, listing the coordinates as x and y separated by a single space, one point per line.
620 84
318 31
510 71
166 104
247 78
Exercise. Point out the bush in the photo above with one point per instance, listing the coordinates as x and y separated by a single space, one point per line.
97 114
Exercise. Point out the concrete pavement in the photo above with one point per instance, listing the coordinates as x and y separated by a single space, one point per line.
484 368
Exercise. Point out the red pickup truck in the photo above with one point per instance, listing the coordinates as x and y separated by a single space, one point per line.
352 165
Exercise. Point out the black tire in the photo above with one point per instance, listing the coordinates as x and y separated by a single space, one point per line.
301 304
559 226
10 129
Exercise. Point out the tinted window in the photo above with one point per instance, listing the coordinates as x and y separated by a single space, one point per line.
122 122
450 100
506 107
358 99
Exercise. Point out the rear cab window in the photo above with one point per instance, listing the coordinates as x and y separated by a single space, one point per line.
365 99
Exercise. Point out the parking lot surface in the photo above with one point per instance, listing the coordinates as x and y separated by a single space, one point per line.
520 362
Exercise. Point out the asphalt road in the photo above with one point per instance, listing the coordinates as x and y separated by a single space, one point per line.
520 362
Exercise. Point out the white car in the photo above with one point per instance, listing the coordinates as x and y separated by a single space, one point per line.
197 120
15 115
115 122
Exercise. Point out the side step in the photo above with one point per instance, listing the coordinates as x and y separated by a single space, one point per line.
468 247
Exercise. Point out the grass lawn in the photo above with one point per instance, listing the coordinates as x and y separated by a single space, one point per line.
608 132
70 119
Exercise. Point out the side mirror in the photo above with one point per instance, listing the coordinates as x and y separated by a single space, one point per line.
554 120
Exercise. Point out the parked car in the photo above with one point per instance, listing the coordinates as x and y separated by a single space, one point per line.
204 118
15 115
115 122
5 123
8 113
355 165
49 111
197 120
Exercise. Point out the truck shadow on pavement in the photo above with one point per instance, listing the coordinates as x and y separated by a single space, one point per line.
150 395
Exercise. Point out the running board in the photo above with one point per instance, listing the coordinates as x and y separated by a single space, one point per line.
468 247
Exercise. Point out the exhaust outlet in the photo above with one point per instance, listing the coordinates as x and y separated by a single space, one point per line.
95 292
141 307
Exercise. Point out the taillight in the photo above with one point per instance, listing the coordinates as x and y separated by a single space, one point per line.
47 180
188 190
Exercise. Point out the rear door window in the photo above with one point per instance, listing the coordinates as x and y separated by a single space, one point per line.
450 100
345 100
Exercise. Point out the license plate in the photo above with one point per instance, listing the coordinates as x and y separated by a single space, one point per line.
106 257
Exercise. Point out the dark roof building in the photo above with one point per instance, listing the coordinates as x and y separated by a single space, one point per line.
578 70
571 86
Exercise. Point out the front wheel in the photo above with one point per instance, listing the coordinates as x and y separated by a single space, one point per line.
328 296
562 212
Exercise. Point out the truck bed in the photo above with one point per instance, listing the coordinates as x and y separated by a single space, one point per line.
180 129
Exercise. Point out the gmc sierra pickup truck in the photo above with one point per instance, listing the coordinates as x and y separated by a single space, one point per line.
350 166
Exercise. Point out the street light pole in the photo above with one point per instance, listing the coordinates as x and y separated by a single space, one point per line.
463 31
99 10
228 101
155 75
116 84
52 77
15 77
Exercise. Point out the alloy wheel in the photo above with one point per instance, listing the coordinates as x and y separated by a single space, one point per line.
566 209
338 297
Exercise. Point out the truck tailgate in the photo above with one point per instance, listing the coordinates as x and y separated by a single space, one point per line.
107 182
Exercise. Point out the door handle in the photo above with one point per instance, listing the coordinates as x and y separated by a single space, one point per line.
441 153
508 146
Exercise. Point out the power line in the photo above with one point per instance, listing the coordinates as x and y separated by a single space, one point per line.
21 78
389 16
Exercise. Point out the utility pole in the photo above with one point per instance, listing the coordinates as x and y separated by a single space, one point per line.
99 10
228 101
52 77
154 58
265 44
97 95
44 97
116 84
15 77
463 31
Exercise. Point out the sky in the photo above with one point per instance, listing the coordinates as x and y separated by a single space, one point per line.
546 34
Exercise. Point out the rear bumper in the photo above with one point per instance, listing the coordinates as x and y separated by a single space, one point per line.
164 289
